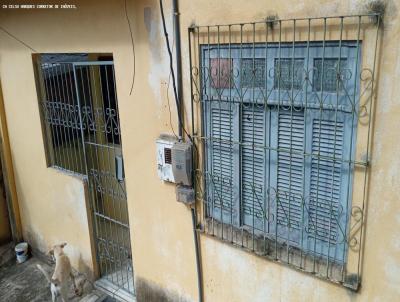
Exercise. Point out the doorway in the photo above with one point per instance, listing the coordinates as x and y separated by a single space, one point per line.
81 125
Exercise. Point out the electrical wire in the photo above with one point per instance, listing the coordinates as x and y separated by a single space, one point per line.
169 108
172 72
17 39
133 48
171 65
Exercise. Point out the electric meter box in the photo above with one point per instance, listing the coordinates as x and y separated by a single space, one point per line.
174 160
182 163
164 157
185 194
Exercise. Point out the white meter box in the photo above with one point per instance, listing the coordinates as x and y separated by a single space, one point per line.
174 160
164 157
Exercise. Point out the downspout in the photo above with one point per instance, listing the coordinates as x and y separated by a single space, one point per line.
197 249
178 60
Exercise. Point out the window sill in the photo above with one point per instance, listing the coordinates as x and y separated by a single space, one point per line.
280 252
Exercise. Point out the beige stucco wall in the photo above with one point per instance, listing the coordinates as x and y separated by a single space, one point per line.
52 203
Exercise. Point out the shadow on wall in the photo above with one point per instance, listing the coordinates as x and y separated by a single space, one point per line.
5 230
151 292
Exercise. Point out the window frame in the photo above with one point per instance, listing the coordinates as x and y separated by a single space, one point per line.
277 99
274 50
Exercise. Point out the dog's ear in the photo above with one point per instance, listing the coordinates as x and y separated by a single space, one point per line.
62 245
51 252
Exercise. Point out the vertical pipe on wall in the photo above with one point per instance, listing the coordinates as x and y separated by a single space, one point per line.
178 59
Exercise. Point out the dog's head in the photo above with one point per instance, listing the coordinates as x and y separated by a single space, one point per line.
57 250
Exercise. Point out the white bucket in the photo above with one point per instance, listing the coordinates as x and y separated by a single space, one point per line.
21 251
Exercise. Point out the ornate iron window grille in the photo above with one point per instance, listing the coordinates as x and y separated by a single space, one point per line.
65 121
281 117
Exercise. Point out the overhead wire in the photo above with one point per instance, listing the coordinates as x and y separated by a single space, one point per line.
133 48
17 39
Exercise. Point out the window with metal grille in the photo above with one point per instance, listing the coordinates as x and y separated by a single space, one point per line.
248 180
278 107
67 95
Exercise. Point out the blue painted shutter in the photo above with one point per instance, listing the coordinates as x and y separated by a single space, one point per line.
253 125
325 179
290 137
329 181
223 162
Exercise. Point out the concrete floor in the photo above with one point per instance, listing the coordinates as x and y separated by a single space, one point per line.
24 282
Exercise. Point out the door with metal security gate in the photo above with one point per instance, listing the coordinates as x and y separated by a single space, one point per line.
81 125
100 126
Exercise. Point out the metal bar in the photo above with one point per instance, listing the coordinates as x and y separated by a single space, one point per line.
95 63
379 15
127 240
81 123
267 153
368 143
279 99
288 151
305 145
45 102
231 128
63 121
70 122
53 125
110 162
106 160
89 105
191 106
108 218
211 130
178 59
221 193
91 160
76 123
119 272
334 149
291 197
353 121
319 148
253 140
240 109
57 102
283 102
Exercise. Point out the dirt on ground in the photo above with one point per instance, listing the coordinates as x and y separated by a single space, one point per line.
26 283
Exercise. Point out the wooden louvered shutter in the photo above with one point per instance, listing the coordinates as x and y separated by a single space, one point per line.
253 159
288 174
223 162
328 183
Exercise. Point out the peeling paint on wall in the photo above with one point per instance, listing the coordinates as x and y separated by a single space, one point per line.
159 68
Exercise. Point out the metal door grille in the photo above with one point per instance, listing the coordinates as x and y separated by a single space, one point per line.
279 109
82 132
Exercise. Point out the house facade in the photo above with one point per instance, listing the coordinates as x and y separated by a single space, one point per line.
291 107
